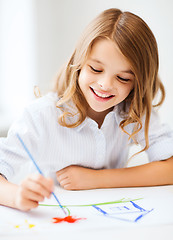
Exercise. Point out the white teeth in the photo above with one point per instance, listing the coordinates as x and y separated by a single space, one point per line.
101 94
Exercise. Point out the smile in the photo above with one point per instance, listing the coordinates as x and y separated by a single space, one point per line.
101 95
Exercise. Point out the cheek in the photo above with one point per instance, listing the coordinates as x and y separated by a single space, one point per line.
83 82
84 78
81 79
124 91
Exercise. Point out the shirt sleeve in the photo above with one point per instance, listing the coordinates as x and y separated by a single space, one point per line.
12 154
160 139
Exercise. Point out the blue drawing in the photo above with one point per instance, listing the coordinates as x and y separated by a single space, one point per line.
131 212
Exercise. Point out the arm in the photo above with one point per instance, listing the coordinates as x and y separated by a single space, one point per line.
27 195
150 174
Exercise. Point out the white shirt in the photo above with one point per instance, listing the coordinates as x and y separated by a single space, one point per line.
55 147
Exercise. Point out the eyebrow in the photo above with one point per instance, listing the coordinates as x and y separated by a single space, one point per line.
95 60
128 71
125 71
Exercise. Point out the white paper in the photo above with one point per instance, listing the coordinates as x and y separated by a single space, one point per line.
131 207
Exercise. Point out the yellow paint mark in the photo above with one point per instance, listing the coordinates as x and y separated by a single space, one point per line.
31 225
26 223
17 226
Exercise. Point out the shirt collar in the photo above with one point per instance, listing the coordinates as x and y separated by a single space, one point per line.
91 123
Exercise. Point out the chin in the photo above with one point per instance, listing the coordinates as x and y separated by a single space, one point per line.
99 110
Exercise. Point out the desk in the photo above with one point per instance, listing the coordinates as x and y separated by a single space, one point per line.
133 213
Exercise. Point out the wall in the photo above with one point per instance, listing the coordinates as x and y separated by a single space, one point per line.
61 22
17 59
51 29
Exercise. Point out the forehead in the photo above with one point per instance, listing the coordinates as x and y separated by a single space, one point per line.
106 52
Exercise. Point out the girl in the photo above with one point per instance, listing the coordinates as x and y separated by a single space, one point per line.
102 102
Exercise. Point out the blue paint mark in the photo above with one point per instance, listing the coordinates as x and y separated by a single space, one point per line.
100 210
126 208
139 217
142 215
138 207
116 215
120 208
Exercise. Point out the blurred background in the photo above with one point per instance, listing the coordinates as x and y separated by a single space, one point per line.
38 36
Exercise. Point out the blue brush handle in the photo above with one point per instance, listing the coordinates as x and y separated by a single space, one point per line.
37 167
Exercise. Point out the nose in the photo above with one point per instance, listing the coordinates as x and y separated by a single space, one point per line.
105 83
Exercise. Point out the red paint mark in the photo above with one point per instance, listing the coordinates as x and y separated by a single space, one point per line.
68 219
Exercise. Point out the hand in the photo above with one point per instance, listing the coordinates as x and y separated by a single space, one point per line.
32 191
77 178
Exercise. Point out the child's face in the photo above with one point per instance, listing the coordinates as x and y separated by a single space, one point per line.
106 78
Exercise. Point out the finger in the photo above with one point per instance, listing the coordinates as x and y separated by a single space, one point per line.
26 205
68 187
64 182
64 170
22 200
31 204
32 196
38 189
47 183
32 186
60 172
62 177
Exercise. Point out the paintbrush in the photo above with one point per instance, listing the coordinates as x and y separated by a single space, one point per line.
38 169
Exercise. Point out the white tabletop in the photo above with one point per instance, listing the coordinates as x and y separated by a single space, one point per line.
132 213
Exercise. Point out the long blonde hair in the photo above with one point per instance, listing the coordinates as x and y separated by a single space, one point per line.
137 43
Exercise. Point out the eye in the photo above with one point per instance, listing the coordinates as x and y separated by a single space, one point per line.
123 79
95 70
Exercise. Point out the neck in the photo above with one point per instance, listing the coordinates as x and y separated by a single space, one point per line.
98 117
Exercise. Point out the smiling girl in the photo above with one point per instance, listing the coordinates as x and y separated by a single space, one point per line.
105 79
101 103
